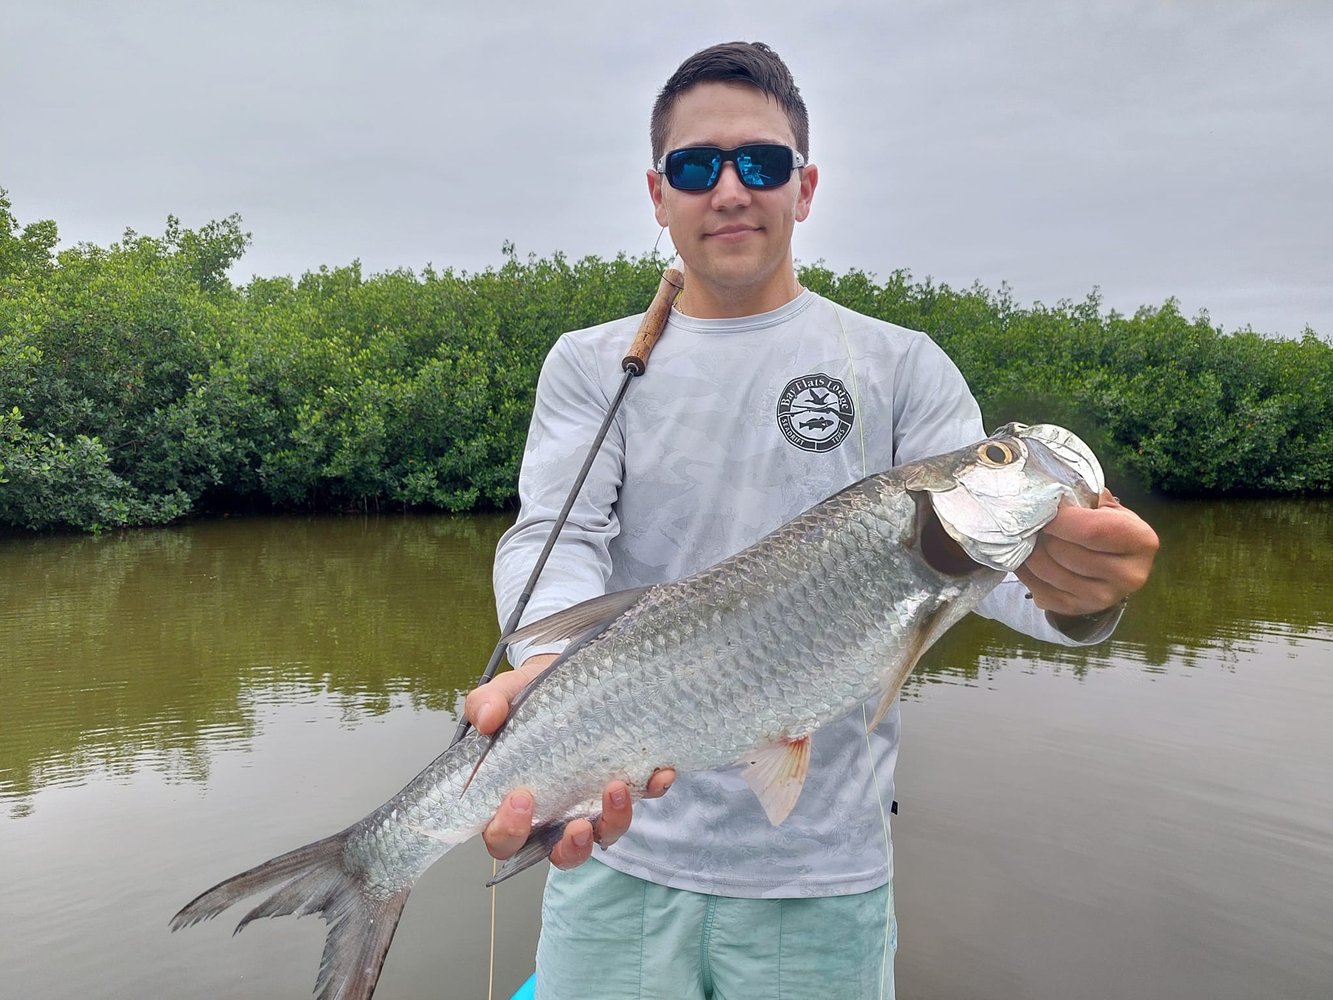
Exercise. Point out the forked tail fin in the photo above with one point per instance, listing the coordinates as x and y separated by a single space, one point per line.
315 879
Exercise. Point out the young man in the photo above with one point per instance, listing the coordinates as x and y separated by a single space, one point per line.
702 897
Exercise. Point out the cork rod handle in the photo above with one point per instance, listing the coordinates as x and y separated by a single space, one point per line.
654 320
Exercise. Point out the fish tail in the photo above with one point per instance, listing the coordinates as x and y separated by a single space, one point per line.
315 879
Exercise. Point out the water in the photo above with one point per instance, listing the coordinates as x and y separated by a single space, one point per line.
1150 818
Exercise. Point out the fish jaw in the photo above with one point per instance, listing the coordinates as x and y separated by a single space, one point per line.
1061 452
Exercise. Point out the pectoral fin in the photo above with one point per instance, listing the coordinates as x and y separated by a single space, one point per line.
892 679
777 774
883 708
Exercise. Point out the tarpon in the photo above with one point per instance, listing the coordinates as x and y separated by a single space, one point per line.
735 666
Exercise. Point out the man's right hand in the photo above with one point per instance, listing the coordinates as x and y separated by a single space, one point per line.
486 708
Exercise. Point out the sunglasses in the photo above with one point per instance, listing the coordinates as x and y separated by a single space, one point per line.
761 165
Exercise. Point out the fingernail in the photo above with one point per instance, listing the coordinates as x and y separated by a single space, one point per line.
582 839
619 797
521 803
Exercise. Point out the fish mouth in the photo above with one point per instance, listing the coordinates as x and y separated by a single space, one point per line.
1061 455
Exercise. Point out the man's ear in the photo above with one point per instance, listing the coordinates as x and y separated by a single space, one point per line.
809 180
656 184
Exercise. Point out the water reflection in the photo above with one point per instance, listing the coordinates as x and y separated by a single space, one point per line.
144 650
1138 819
1138 833
1230 575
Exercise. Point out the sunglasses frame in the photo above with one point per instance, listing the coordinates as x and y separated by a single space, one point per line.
729 156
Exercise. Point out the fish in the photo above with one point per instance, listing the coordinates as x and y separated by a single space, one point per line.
737 665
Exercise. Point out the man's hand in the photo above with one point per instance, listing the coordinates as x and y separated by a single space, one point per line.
1089 559
486 708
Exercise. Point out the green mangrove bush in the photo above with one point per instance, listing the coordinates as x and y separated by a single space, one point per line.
138 384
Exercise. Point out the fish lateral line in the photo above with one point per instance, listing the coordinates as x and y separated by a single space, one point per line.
519 699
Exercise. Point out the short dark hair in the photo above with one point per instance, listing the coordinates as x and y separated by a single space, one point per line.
752 63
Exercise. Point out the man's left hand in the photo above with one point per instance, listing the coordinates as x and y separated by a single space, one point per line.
1089 559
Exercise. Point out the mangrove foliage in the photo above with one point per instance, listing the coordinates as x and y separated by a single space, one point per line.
139 384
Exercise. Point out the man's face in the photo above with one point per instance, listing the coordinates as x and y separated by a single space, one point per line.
735 241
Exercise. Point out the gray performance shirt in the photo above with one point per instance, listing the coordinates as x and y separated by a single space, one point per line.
738 426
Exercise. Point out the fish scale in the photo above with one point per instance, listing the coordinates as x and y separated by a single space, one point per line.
737 664
746 691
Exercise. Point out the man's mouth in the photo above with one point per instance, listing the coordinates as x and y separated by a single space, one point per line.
733 232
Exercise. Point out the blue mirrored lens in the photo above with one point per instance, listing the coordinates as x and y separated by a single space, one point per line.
694 169
757 169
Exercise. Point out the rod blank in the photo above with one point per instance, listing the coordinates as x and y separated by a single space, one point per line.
634 364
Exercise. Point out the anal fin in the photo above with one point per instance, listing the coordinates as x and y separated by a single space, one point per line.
777 773
536 849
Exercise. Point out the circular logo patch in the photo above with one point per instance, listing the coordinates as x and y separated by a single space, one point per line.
815 412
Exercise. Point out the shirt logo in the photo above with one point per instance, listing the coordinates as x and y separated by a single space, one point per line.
815 412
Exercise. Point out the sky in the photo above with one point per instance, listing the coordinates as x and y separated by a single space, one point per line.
1148 149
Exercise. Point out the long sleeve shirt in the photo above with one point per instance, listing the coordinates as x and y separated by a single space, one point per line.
739 426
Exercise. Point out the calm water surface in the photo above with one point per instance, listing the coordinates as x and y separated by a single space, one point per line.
1152 818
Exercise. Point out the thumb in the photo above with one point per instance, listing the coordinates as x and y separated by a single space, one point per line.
487 707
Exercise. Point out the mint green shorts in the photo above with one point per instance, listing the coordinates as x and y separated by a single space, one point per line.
609 936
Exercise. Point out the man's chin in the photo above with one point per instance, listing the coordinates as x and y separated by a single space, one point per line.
736 264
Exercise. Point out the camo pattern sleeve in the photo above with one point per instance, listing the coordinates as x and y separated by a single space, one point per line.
571 402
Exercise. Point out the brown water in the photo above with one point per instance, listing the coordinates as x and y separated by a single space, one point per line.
1153 818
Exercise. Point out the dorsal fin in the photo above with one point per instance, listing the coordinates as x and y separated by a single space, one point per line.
579 620
579 624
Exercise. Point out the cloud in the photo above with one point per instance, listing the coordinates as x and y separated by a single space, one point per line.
1152 149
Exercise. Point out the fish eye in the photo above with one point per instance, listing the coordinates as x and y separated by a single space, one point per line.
996 453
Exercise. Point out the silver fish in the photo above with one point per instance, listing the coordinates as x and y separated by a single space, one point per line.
737 665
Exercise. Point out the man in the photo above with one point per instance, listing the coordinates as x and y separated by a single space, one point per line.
702 897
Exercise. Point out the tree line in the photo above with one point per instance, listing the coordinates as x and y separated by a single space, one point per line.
139 385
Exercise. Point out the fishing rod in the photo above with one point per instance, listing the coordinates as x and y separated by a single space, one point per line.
634 364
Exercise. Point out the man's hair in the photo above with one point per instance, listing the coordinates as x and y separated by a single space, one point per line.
752 63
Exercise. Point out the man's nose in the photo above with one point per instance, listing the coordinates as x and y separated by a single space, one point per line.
729 189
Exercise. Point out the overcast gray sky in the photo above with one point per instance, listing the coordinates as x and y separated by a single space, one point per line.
1155 148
